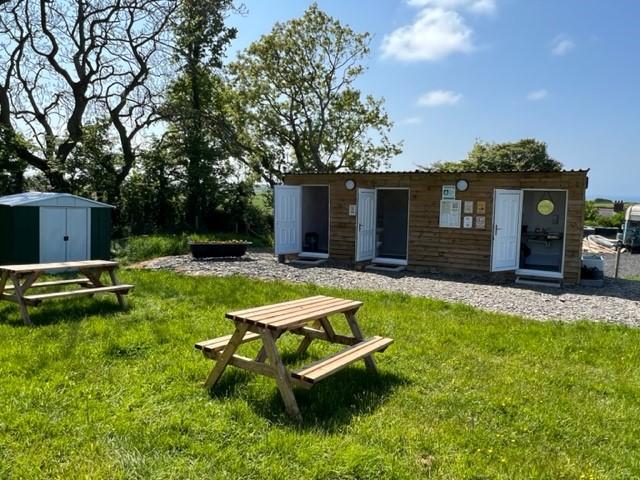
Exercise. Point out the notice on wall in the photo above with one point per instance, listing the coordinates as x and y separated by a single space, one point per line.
450 213
480 222
468 222
352 210
482 207
448 192
468 207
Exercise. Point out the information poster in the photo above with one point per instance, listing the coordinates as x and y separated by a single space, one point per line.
468 222
468 207
480 222
450 213
448 192
482 207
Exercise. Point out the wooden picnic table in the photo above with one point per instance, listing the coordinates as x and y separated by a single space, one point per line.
268 323
23 278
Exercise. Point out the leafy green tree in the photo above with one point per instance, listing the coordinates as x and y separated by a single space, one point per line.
591 213
295 106
11 168
65 64
153 195
524 155
195 104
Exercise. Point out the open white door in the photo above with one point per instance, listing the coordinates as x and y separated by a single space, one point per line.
366 228
288 214
507 220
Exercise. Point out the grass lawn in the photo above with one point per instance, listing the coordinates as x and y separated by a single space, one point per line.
95 392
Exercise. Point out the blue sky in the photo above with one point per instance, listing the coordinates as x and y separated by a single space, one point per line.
451 71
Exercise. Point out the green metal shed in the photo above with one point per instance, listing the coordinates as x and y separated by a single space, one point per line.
42 227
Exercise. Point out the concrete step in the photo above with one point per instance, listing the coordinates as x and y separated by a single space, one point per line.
381 267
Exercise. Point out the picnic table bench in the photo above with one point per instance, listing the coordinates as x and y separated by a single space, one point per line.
268 323
24 277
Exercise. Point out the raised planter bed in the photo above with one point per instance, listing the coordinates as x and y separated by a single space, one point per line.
218 249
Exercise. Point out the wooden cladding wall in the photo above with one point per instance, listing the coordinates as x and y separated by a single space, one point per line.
449 249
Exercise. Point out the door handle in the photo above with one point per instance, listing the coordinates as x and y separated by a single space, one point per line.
66 238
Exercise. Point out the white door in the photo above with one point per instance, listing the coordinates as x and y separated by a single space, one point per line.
366 228
77 234
507 220
53 229
288 214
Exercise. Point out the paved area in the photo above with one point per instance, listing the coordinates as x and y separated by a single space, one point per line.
618 301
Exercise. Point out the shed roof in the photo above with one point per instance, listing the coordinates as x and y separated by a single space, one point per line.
50 199
436 172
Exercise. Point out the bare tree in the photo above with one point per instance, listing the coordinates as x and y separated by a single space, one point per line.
67 63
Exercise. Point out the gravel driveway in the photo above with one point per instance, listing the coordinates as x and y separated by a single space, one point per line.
618 301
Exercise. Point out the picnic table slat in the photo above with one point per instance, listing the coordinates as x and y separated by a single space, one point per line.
40 267
123 288
293 310
216 344
73 281
305 317
328 366
275 306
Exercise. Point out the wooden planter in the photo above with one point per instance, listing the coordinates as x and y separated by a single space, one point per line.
218 249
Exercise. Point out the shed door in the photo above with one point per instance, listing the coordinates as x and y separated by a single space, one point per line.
366 228
78 229
53 228
288 215
507 222
64 234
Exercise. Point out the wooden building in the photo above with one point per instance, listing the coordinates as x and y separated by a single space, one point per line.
42 227
528 223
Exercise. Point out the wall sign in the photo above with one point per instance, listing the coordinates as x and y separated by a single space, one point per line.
468 222
482 207
450 213
480 222
468 207
352 210
448 192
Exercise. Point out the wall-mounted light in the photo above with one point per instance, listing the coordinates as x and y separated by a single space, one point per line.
349 184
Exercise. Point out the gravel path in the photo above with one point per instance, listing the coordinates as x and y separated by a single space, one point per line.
617 302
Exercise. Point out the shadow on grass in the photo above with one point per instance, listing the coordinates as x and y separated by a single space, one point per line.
55 311
332 403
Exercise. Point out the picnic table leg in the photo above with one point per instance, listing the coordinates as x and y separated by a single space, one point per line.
3 281
306 341
227 353
281 376
114 281
20 289
262 354
355 329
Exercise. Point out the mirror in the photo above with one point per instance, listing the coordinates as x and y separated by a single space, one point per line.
545 207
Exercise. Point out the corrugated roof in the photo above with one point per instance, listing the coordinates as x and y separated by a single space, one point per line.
35 199
431 172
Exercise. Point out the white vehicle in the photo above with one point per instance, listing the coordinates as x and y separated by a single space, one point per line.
631 235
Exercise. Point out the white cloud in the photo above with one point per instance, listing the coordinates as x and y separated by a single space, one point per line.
537 95
411 121
437 98
435 34
561 45
485 7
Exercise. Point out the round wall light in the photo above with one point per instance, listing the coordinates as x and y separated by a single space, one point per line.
349 184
